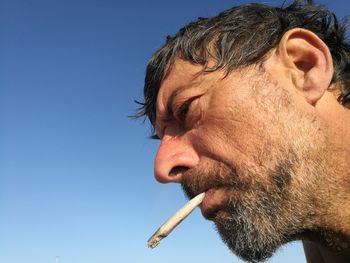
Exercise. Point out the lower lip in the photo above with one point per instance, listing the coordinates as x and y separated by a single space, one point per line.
207 207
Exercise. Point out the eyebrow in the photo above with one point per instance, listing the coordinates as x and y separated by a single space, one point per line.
169 107
169 104
168 110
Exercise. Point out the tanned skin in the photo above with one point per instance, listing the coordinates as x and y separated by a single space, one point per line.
288 144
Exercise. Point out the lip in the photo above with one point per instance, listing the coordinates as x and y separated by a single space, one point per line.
213 202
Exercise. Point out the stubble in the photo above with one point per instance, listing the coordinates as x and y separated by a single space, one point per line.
271 204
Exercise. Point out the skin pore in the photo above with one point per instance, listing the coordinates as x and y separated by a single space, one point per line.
267 145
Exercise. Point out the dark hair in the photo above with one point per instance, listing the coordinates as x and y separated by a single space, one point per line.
242 36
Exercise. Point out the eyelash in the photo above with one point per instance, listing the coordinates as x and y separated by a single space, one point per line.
182 111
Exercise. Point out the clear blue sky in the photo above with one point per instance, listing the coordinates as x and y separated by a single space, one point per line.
76 175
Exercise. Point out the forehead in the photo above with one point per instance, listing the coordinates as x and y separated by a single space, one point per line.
182 74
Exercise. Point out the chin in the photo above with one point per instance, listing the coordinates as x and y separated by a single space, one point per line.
245 240
254 232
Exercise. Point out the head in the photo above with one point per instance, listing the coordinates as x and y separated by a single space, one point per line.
239 102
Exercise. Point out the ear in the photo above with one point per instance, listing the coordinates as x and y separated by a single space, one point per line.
309 60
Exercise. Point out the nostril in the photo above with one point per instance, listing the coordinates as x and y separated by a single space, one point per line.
177 170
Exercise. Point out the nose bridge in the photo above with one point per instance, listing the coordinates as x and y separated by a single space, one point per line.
173 157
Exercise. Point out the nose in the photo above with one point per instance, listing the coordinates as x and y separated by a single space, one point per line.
173 158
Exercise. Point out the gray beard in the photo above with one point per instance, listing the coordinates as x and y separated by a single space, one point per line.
255 226
275 203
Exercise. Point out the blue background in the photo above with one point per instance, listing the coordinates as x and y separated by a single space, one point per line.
76 174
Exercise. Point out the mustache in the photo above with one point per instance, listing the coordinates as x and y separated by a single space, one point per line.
216 175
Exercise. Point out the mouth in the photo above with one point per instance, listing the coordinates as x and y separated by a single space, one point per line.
220 183
215 200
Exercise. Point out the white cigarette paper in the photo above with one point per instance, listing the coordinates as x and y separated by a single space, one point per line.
173 221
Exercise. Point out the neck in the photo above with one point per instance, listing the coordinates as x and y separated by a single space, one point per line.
336 243
333 224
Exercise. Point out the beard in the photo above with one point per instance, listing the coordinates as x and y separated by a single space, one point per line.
262 219
268 205
260 216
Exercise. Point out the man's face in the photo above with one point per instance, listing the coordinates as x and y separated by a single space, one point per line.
250 144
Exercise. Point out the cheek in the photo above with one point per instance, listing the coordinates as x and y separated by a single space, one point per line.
227 138
238 130
239 137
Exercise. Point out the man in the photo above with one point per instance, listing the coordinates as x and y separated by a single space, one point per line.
251 107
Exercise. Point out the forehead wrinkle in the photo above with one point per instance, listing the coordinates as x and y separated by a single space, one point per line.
165 109
173 95
180 72
165 104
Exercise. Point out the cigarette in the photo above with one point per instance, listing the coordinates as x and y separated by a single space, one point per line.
173 221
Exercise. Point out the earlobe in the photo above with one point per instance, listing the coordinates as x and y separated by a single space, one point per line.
309 60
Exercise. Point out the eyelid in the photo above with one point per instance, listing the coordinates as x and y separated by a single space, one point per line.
175 112
174 105
179 107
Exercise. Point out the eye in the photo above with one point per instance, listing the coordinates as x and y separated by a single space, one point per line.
182 111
